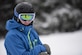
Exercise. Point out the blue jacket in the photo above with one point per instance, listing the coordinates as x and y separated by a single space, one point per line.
22 40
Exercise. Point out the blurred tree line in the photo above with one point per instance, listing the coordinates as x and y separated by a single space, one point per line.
51 15
6 12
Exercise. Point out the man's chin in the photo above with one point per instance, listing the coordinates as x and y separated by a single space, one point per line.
26 24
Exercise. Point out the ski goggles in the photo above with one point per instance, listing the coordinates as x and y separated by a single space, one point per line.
27 16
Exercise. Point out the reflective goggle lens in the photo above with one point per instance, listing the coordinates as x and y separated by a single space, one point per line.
27 16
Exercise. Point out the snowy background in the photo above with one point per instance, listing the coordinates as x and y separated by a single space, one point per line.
59 24
60 43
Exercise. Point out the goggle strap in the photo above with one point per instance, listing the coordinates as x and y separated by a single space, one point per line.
16 13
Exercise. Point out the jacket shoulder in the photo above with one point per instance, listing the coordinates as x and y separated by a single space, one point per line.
11 33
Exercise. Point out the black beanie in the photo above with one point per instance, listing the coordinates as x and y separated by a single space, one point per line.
23 7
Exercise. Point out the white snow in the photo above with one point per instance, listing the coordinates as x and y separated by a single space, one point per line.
60 43
2 49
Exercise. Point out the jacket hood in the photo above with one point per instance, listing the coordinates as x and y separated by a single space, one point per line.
12 24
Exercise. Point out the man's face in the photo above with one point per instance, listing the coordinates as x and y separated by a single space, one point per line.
26 18
25 22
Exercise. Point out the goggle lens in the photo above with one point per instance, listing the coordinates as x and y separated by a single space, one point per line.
26 16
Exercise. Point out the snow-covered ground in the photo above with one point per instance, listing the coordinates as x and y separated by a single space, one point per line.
2 49
60 43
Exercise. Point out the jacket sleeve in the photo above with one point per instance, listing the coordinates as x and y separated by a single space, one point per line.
36 36
39 41
15 46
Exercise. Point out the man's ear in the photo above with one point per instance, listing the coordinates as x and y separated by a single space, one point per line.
18 20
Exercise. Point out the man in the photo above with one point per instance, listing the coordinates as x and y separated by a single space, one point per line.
22 39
